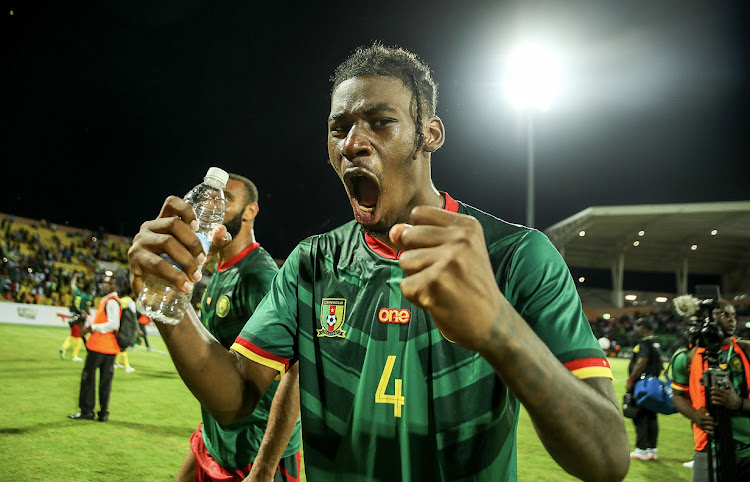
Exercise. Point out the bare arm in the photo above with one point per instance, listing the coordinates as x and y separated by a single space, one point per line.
449 273
683 404
571 416
227 384
281 422
638 369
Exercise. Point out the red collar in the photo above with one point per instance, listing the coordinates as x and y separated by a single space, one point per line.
451 205
236 258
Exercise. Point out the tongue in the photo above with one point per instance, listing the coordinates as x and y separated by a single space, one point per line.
368 193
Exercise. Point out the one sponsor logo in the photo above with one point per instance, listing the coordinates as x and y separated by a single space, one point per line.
736 365
29 313
223 306
332 313
394 315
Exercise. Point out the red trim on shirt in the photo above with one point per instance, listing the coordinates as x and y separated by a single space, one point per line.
451 205
587 362
263 353
380 247
237 257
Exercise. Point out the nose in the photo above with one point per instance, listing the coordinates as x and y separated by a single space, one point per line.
356 144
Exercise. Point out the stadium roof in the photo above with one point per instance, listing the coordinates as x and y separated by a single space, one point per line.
669 231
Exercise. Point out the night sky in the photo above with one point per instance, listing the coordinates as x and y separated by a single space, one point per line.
108 107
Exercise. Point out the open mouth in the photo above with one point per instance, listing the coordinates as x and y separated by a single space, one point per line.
364 192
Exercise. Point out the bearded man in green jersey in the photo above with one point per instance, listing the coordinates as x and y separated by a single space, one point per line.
419 327
266 443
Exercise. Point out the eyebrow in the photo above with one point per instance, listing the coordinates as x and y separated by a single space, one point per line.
373 109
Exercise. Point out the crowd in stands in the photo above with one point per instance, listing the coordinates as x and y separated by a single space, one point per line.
620 330
671 328
40 258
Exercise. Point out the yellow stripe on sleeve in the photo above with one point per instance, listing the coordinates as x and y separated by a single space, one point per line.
278 366
593 372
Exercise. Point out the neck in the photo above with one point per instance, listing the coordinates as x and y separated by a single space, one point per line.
430 197
244 239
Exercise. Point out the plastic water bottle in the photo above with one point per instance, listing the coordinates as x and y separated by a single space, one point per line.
162 301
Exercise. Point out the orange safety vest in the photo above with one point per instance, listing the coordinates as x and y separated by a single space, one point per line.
104 342
698 391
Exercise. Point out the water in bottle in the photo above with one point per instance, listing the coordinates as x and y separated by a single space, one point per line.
162 301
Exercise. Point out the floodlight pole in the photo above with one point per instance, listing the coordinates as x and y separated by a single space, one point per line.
530 164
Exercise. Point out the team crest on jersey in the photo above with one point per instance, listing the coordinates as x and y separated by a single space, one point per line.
223 306
332 312
736 365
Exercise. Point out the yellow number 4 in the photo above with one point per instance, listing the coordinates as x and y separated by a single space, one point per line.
396 399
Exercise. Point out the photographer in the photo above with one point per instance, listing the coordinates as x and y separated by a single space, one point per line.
646 361
689 394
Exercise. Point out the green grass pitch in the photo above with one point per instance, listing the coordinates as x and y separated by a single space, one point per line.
153 415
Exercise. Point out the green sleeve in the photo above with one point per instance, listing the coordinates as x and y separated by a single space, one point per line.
680 370
540 286
273 326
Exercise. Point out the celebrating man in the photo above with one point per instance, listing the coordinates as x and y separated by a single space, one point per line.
418 327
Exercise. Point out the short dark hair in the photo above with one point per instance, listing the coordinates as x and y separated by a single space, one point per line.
251 192
397 63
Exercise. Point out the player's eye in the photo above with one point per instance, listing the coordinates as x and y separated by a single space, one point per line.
383 122
339 130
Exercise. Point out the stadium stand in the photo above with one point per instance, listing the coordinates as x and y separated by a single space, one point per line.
39 259
711 239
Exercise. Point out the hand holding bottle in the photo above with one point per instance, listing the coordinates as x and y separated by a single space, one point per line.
168 252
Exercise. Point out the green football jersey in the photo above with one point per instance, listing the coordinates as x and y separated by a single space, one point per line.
234 291
82 300
384 395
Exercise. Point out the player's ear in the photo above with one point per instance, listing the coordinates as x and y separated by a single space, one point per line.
435 135
251 210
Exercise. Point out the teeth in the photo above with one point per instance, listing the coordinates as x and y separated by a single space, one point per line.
366 209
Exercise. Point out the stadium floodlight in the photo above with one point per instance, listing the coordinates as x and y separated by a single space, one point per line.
631 297
532 78
661 299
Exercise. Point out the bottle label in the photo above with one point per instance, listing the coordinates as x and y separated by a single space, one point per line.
205 243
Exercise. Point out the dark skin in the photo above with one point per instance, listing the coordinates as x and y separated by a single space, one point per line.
371 134
726 317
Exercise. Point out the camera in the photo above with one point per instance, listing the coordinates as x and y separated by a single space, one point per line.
704 330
